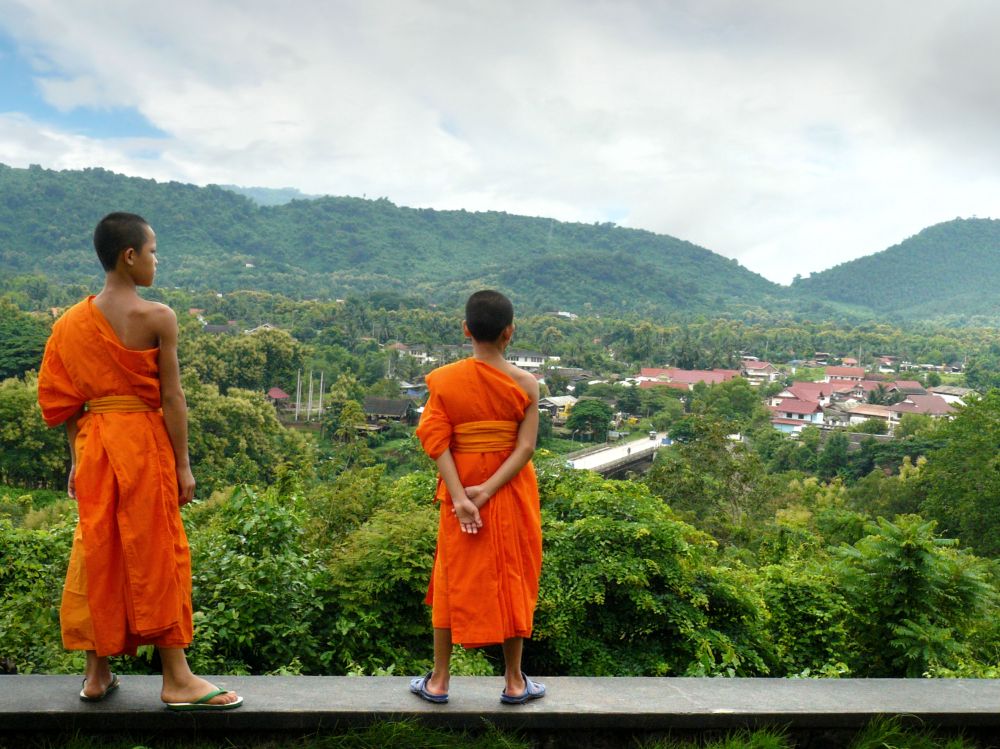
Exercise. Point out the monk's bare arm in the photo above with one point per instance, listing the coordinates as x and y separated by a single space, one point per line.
72 429
465 510
172 400
527 435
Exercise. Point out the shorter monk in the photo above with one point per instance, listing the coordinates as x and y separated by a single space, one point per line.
480 425
110 374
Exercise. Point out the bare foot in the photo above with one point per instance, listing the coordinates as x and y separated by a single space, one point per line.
95 686
97 677
193 689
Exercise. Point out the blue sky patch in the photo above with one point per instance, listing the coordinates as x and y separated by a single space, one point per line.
19 93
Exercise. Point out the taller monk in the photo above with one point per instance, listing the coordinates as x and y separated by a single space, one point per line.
110 374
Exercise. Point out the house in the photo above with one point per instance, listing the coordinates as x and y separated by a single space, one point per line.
279 398
907 387
951 393
849 361
862 412
818 392
389 409
854 374
759 372
525 359
557 406
792 415
930 405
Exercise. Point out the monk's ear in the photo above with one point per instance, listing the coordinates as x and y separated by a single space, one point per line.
128 255
465 330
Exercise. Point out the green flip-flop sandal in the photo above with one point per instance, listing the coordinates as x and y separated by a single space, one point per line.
204 704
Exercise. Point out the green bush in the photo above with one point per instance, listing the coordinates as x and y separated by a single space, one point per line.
32 571
258 594
627 589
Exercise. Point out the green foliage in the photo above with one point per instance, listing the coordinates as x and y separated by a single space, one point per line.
379 576
332 247
590 417
948 269
22 340
257 590
237 438
31 454
627 589
872 426
806 620
736 403
32 570
914 598
884 732
258 361
710 477
962 478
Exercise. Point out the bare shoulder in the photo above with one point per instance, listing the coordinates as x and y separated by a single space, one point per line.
526 380
159 318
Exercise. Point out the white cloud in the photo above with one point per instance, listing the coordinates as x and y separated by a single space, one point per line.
788 135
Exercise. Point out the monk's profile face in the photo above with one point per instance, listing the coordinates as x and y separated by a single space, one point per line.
143 263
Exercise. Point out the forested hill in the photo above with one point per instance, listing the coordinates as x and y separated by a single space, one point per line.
213 238
950 270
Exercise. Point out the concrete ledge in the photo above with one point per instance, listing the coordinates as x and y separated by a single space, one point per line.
303 704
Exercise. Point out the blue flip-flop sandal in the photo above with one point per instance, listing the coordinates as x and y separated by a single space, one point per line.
419 687
532 691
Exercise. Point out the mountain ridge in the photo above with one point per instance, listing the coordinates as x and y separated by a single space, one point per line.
214 238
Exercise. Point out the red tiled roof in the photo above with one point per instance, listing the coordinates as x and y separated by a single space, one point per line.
933 405
832 372
793 406
809 391
757 364
277 394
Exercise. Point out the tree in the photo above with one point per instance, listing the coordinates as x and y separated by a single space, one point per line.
833 458
914 598
872 426
236 438
22 341
628 400
962 479
31 454
590 417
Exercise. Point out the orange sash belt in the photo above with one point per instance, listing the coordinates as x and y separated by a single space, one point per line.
484 436
117 404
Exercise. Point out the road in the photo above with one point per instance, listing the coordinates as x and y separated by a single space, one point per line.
617 451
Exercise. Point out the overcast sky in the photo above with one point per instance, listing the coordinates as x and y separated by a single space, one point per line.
791 135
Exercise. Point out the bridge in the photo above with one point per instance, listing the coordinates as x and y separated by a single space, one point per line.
618 458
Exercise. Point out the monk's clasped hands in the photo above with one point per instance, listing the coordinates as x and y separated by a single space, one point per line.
467 515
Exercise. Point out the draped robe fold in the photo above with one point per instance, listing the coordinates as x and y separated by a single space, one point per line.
484 586
129 577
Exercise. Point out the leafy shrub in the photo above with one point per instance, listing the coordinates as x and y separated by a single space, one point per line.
32 570
258 595
627 589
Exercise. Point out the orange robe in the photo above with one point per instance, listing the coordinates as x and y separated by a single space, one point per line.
129 577
484 586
